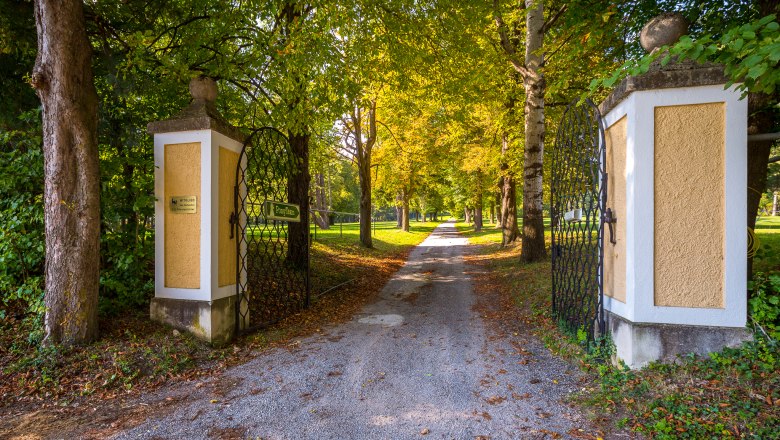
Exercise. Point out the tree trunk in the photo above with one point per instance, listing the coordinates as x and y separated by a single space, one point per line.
478 204
320 216
363 155
298 193
498 203
761 119
63 80
758 152
365 203
404 211
509 229
478 214
399 211
533 217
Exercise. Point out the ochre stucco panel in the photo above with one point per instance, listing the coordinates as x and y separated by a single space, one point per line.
182 231
228 160
689 206
615 255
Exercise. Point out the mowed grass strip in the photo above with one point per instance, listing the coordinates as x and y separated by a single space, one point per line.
767 258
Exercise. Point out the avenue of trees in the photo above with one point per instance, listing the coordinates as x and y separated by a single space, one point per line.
422 106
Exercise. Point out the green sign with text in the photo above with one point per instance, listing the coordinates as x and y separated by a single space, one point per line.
282 211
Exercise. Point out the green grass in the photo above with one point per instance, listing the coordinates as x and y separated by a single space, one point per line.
386 237
337 252
767 257
489 235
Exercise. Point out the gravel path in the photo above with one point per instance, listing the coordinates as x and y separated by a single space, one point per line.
418 363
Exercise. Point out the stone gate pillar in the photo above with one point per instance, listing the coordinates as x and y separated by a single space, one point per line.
195 155
675 282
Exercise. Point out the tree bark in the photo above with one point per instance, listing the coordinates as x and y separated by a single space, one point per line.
405 211
363 154
497 207
298 193
761 119
509 229
299 181
478 204
63 80
320 216
533 217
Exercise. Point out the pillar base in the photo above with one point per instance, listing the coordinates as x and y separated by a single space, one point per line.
638 344
211 321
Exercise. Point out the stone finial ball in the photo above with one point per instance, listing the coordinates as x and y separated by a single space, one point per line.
663 30
203 88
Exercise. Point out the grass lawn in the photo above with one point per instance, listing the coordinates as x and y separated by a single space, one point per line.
337 256
768 255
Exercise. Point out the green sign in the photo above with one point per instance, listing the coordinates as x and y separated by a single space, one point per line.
282 211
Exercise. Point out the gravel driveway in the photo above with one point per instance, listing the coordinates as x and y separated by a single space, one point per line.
418 363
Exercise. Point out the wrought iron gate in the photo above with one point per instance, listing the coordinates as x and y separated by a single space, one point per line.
578 210
271 281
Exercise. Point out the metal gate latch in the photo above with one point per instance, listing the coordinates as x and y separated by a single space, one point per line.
232 224
609 219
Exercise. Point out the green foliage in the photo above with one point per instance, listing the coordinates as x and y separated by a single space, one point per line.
764 303
731 393
750 53
21 208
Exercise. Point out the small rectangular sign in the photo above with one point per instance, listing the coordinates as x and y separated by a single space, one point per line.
184 204
282 211
575 215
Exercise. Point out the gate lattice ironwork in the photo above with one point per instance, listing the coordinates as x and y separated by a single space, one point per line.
578 210
270 284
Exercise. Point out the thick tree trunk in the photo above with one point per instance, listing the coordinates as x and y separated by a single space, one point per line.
509 229
298 193
320 216
761 119
363 155
533 217
365 202
63 79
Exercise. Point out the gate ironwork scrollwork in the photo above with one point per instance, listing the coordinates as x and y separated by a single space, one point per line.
270 283
578 209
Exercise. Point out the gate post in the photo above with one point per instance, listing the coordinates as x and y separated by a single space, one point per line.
195 155
675 282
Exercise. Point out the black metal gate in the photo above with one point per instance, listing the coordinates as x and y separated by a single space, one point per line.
272 282
578 210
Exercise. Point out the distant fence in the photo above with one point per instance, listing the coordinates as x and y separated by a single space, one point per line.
337 218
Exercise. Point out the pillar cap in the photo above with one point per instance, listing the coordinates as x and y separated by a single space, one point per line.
674 75
201 114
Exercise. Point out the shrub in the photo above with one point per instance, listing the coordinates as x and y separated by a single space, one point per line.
764 303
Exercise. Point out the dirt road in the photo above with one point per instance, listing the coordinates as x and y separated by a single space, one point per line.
418 363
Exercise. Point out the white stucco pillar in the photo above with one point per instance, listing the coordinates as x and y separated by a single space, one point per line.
196 154
675 282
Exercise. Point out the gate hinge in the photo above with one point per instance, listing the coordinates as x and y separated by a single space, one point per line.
610 219
233 222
